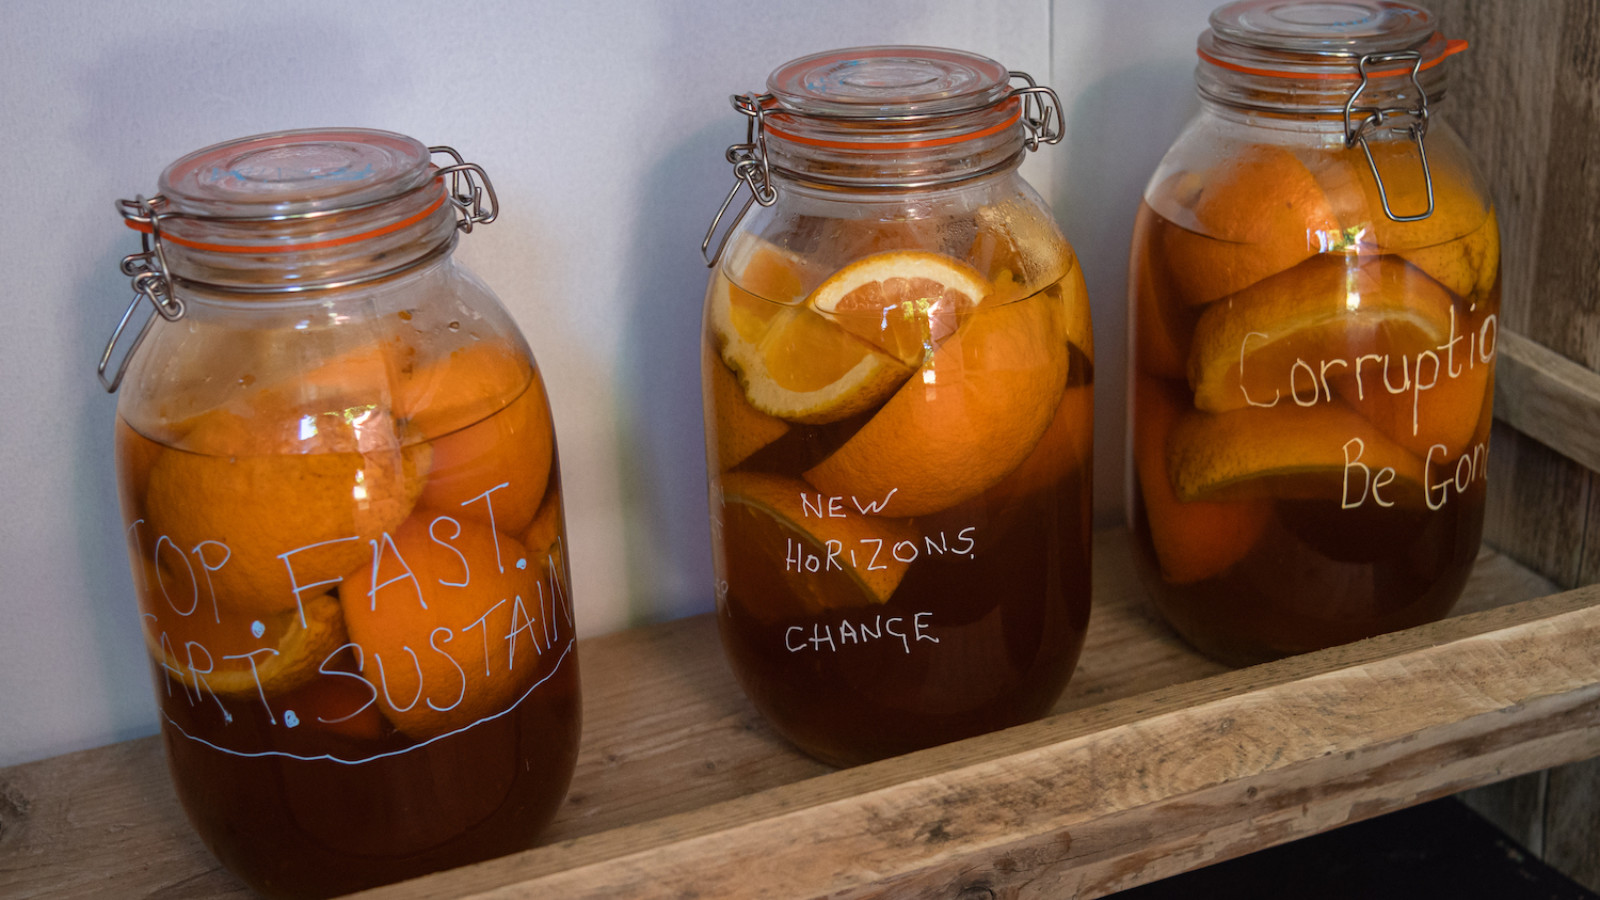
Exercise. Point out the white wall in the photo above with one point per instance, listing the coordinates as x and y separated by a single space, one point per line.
602 124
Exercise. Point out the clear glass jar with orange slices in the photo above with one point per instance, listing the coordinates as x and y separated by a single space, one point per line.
338 475
897 374
1314 294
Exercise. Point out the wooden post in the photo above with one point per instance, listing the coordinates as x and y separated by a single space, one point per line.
1526 99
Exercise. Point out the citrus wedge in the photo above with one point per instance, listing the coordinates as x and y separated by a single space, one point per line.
1065 450
792 555
965 420
1013 237
460 388
1319 452
1254 213
905 302
1162 324
795 364
265 517
237 656
1288 337
453 619
1193 540
736 428
496 470
1458 244
1468 265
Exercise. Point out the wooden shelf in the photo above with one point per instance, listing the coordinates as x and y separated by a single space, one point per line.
1156 761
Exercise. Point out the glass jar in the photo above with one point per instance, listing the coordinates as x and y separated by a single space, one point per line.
339 481
897 381
1314 289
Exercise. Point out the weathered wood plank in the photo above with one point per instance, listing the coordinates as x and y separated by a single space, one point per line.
1572 820
1549 398
1133 790
667 732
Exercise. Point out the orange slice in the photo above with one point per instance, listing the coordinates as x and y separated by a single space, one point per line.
795 364
1162 324
735 429
1012 236
1459 244
1197 539
540 536
453 622
1289 451
904 301
965 420
496 470
1287 338
796 553
460 388
266 518
1254 213
1065 450
230 655
1467 265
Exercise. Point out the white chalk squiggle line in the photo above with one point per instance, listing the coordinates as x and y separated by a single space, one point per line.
351 762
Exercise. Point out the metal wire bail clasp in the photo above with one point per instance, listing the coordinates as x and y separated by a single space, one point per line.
147 270
750 169
1373 118
1041 123
469 185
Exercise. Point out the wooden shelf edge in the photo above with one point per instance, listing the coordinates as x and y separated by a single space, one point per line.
1101 799
1549 398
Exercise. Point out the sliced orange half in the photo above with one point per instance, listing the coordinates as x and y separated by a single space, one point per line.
1467 265
965 420
789 551
1193 540
1287 338
1458 244
793 363
737 429
1254 213
1289 451
904 301
238 656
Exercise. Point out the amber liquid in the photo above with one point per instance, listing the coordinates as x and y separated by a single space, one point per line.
293 827
1280 562
348 739
982 631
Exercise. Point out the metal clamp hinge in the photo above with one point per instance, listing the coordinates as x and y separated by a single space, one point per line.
469 186
1041 123
1373 117
750 169
147 270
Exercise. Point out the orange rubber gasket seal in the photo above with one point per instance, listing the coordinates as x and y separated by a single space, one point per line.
901 145
433 207
1451 48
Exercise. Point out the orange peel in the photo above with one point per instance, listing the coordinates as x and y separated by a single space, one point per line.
1197 539
1286 338
964 421
835 557
1256 212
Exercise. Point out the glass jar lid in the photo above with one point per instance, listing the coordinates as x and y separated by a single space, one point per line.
307 210
888 83
1325 40
875 119
1343 28
295 173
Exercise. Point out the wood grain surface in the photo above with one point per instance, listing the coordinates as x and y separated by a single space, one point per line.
672 749
1526 99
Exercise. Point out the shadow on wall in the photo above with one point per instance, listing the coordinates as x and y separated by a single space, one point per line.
663 477
213 84
1117 132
